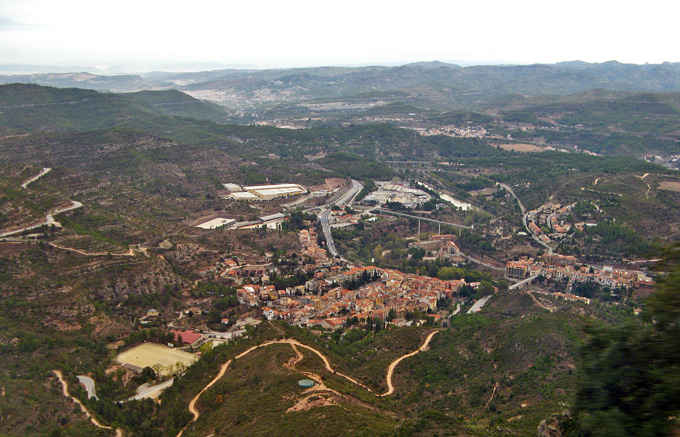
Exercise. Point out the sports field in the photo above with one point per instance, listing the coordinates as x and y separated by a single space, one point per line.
149 354
522 147
669 185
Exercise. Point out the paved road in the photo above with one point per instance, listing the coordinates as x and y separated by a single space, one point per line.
35 178
227 335
324 216
479 304
522 282
347 198
151 391
534 236
49 219
507 187
476 261
87 412
89 386
525 214
302 199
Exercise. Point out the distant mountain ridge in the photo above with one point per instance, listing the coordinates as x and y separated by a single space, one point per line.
435 85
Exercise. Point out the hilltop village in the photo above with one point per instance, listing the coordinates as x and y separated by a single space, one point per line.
333 293
339 295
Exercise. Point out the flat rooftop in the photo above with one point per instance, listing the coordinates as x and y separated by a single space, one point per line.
216 223
271 187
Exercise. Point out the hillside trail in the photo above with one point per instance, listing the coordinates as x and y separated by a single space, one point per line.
495 387
64 387
551 309
294 361
192 403
130 251
393 364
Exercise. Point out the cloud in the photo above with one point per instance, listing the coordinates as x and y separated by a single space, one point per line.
313 32
8 23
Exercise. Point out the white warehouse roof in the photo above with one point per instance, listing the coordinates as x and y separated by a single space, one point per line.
216 223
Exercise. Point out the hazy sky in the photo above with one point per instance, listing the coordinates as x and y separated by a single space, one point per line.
284 33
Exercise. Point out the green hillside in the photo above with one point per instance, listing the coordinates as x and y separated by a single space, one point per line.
147 166
32 108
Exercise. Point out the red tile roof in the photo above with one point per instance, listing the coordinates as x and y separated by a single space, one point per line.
188 337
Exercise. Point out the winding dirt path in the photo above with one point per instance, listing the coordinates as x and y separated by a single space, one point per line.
495 387
64 387
294 361
539 303
393 364
326 363
130 251
192 404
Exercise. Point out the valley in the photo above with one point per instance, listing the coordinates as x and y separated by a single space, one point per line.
430 270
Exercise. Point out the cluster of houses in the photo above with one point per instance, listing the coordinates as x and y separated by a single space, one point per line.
560 267
552 215
384 292
310 245
454 131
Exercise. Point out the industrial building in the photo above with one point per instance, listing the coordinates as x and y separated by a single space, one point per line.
259 193
232 187
216 223
398 193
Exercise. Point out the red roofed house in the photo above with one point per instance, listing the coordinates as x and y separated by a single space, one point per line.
187 337
332 323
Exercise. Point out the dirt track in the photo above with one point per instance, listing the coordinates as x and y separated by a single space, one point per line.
64 387
294 361
393 364
130 251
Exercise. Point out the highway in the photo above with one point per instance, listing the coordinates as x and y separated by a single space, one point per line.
89 386
347 198
324 216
